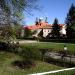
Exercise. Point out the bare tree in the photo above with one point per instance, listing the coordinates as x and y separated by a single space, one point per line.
12 11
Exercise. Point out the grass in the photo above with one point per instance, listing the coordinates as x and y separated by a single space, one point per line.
49 45
6 58
70 72
6 68
55 46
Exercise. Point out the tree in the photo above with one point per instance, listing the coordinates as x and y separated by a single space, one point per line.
55 28
70 22
15 8
12 11
28 33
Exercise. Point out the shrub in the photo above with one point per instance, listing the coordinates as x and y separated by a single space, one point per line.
9 47
30 53
3 45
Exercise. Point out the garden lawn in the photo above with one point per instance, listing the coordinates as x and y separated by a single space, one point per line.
6 67
50 45
70 72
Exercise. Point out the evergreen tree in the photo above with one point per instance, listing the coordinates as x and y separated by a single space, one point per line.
55 28
70 22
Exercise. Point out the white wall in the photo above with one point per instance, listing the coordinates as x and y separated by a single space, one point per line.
63 30
46 32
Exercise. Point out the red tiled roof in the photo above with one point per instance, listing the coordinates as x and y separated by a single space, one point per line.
40 25
47 27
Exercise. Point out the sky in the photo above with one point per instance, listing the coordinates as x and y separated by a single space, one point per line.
51 9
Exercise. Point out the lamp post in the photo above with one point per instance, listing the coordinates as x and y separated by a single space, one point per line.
65 50
64 54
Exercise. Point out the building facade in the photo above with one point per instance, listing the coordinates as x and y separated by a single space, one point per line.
45 28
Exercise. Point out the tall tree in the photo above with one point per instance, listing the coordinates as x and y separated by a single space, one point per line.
55 28
12 11
70 22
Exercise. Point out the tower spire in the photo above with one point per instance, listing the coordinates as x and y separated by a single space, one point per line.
46 19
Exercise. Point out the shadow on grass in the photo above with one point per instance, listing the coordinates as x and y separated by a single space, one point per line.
24 64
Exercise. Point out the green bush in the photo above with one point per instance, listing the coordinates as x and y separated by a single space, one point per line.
30 53
3 45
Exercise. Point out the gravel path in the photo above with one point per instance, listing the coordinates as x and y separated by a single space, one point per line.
27 41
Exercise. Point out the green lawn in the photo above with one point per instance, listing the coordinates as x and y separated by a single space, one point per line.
55 46
48 45
70 72
6 67
6 58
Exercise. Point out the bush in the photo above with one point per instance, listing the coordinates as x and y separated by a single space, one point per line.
4 46
30 53
9 47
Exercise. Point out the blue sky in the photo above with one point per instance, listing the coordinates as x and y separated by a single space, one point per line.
51 9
